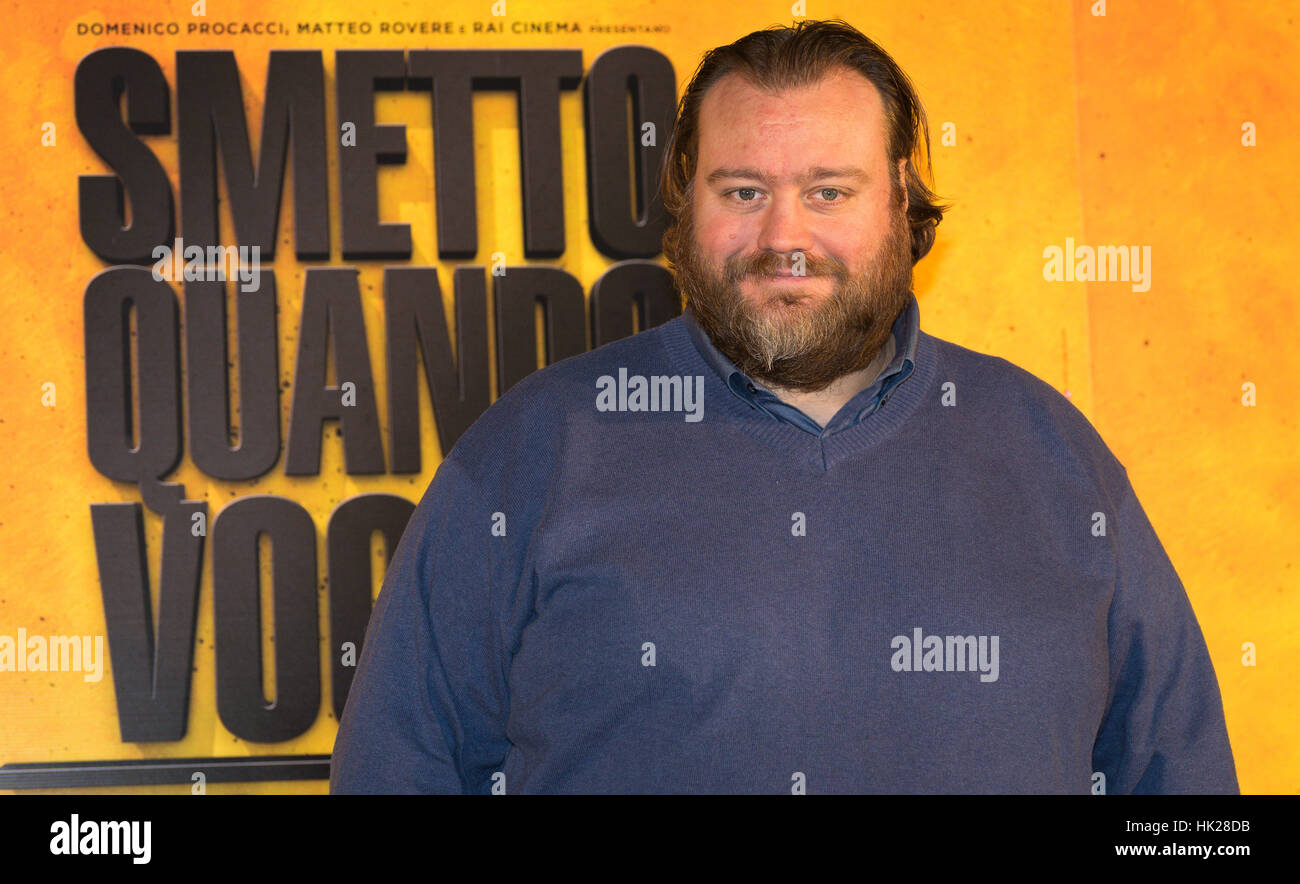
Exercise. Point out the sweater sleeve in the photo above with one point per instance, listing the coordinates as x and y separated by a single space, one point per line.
1163 731
426 712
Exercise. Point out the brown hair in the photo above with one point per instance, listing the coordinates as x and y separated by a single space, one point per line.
789 57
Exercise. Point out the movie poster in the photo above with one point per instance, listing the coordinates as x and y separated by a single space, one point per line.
265 263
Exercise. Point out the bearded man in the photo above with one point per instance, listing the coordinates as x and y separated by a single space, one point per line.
874 561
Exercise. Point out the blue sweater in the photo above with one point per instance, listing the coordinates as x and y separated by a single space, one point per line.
634 573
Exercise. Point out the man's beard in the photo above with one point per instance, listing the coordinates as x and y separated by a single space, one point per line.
791 343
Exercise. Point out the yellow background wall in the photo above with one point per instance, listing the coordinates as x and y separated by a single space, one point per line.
1117 130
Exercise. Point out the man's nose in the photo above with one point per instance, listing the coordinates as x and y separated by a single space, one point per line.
785 227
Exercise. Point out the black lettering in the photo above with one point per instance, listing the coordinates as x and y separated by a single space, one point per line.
101 79
110 297
211 114
151 681
416 326
243 709
564 324
536 76
618 228
351 525
632 287
360 73
331 313
206 374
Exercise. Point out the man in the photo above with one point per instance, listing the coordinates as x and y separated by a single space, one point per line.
875 561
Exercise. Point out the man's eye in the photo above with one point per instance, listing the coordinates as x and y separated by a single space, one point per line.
834 191
745 190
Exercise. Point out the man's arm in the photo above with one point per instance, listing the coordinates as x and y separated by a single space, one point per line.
1163 731
427 710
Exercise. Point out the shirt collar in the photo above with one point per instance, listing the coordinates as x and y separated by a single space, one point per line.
898 356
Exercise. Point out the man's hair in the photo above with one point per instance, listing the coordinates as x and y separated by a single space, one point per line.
790 57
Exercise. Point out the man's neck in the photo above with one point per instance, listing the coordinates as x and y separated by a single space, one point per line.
824 404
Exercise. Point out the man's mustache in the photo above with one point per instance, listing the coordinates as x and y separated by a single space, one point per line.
773 264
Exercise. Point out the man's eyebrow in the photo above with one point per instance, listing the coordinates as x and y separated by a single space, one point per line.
816 173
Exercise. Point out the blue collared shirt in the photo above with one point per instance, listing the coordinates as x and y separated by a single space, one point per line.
898 357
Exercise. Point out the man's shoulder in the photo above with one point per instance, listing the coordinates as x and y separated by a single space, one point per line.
997 374
1020 405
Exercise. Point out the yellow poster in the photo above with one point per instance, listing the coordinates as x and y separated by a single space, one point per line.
354 168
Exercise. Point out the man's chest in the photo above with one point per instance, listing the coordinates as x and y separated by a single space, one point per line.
870 633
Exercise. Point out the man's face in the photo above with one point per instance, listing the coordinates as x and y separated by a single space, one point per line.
789 181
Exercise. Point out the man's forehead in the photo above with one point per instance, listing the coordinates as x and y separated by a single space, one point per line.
737 116
840 88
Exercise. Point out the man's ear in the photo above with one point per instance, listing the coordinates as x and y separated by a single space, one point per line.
902 180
